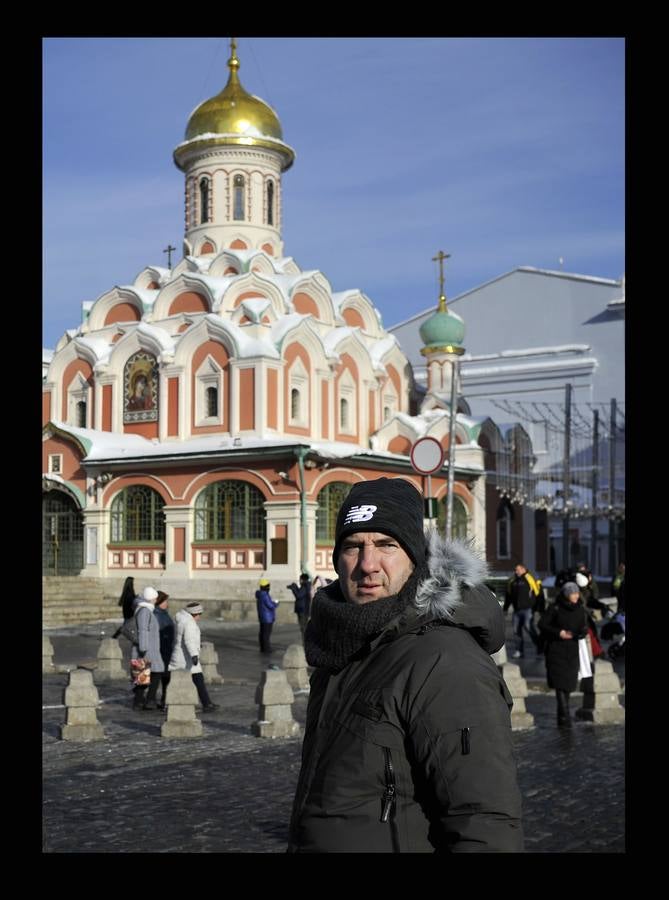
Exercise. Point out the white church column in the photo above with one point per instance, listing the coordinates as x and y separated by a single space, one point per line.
178 539
96 537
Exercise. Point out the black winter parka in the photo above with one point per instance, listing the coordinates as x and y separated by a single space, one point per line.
408 748
561 654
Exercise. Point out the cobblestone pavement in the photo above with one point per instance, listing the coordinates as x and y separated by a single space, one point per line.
229 791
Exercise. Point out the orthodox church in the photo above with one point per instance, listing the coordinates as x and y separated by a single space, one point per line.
203 424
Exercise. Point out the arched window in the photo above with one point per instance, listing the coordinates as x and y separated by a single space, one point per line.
62 535
204 200
212 401
238 204
294 404
137 515
343 414
504 518
270 203
459 527
77 401
230 511
330 500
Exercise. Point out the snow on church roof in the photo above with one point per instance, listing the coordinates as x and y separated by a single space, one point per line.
162 337
254 307
381 347
99 346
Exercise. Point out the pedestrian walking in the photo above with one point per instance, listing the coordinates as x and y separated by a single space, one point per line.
147 649
589 589
407 744
127 603
166 625
186 651
563 625
302 594
523 594
266 608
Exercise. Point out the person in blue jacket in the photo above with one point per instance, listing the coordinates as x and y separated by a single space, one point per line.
266 614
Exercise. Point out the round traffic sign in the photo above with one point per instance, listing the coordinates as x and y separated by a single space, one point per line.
427 455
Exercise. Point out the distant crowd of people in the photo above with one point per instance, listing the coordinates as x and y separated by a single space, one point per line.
160 645
566 631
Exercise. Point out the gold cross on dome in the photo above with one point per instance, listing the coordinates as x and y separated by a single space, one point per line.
440 257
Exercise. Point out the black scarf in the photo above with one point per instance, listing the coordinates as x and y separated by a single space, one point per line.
338 630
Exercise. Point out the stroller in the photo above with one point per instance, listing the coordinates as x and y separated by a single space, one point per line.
614 631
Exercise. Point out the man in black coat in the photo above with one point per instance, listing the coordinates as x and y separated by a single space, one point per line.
407 745
522 595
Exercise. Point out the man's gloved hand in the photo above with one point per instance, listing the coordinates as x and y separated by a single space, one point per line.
195 660
141 654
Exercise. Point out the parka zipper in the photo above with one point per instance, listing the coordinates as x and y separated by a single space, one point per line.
465 741
389 792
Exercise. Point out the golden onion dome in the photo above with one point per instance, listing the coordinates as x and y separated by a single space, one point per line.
235 117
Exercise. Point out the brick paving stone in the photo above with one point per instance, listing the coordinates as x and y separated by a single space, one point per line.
213 794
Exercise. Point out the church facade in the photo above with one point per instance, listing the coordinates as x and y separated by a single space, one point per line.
203 424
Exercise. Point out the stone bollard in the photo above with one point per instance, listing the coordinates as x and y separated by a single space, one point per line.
274 696
81 699
180 701
110 659
600 696
520 718
209 663
47 655
295 666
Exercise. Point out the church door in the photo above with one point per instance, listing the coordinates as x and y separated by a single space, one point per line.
62 535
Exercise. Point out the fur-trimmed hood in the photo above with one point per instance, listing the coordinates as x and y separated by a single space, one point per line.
455 592
453 566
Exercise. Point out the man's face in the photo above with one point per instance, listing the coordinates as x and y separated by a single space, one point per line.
372 566
520 570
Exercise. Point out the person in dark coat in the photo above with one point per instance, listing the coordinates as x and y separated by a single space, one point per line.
407 745
562 577
266 608
166 624
522 594
127 602
589 590
302 594
563 625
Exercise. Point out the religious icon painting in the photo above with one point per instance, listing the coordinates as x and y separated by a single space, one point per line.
140 388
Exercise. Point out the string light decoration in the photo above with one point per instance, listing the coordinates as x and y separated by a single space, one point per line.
530 472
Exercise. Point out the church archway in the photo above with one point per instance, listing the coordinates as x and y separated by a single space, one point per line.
62 535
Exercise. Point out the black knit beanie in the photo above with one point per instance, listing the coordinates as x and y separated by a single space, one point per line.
388 505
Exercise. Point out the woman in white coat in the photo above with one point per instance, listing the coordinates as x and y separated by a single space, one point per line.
186 650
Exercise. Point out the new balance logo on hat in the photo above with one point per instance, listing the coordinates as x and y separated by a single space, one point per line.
359 514
389 506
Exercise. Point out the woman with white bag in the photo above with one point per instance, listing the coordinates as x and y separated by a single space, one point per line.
563 625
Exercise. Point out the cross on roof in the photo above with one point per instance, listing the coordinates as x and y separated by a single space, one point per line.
440 257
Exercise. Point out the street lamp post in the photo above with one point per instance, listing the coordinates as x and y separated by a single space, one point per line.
451 451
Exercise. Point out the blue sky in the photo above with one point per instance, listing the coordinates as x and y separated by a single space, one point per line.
503 152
